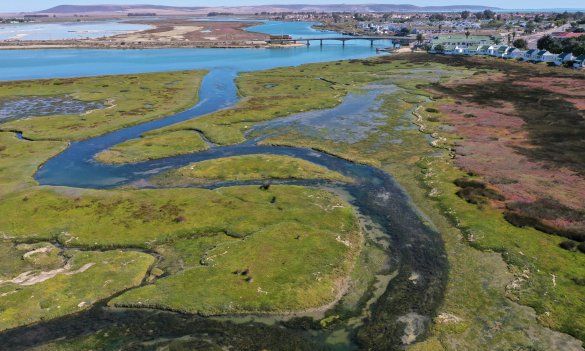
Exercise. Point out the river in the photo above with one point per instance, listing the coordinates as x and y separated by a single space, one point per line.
416 249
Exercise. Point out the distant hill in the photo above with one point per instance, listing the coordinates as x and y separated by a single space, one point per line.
65 9
83 9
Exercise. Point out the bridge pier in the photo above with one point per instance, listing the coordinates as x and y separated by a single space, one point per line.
321 42
343 42
372 43
308 43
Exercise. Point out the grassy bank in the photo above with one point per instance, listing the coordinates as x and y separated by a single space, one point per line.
152 148
20 159
249 167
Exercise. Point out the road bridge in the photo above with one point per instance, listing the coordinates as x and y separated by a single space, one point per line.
395 39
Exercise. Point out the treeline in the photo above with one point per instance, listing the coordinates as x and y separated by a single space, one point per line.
214 14
576 45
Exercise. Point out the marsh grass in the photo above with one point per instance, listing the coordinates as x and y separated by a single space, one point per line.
249 167
151 148
130 99
74 290
284 267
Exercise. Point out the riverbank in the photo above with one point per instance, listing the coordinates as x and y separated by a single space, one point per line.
164 33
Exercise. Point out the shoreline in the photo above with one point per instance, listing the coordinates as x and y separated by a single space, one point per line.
170 33
76 44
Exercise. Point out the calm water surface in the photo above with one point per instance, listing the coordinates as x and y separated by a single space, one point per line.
32 64
73 30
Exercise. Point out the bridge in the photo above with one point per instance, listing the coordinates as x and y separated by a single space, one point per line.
396 39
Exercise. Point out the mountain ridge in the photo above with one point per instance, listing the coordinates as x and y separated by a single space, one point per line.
108 8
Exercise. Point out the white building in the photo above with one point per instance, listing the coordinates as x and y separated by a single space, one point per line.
545 56
530 55
563 58
515 53
579 62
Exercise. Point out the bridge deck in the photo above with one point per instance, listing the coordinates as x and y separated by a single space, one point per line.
394 38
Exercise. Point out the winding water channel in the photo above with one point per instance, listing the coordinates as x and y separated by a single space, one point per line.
407 305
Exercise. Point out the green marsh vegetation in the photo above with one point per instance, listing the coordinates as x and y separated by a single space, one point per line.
44 227
87 277
151 148
19 160
215 232
128 99
249 167
265 96
483 290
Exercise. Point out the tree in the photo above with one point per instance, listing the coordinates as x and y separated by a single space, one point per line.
545 42
440 48
465 15
509 38
497 41
514 35
521 44
489 14
440 28
467 34
420 38
404 32
435 17
530 27
555 46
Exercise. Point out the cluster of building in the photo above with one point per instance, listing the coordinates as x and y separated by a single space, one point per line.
461 44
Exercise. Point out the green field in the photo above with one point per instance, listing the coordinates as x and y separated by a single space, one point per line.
249 167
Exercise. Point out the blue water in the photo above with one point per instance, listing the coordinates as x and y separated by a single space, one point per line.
33 64
74 30
295 29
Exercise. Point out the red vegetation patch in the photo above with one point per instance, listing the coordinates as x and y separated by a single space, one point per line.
499 145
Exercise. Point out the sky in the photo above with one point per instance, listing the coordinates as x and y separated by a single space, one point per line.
37 5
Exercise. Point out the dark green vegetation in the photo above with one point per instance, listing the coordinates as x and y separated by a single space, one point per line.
128 99
558 46
251 167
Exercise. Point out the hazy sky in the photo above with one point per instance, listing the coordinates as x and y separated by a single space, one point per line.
36 5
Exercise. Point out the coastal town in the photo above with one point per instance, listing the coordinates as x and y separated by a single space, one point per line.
553 38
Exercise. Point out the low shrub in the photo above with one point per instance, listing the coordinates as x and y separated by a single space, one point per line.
568 245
